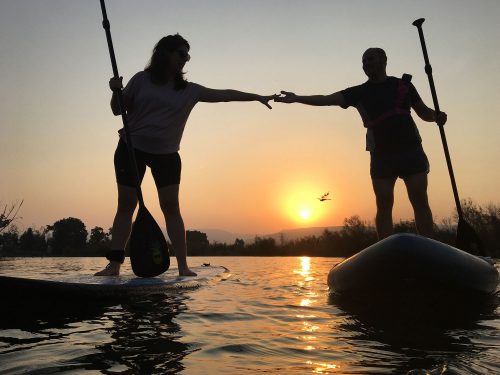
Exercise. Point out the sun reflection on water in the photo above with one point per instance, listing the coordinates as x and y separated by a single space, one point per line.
300 316
308 327
309 342
304 271
305 302
306 265
322 368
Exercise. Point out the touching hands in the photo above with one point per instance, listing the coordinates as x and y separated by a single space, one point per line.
286 97
115 83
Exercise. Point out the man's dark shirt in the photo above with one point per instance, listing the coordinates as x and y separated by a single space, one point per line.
390 127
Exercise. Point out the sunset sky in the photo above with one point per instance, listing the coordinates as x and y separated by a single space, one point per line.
245 168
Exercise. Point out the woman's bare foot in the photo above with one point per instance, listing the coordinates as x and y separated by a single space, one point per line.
112 269
186 272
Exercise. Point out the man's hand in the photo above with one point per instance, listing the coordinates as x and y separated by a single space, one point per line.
286 97
115 84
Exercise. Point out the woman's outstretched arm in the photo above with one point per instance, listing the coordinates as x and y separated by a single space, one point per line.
216 96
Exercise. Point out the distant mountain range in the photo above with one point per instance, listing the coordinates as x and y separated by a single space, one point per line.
222 236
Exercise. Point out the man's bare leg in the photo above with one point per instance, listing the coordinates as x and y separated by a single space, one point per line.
416 185
384 194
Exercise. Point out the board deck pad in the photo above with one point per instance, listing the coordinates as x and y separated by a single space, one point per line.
89 286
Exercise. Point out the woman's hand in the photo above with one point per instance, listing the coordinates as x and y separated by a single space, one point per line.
441 118
266 99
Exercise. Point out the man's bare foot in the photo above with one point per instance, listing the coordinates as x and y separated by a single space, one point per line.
186 272
112 269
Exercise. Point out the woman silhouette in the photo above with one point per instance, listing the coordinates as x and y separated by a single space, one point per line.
158 101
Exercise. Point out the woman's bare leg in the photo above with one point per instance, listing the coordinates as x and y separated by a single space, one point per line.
122 226
169 202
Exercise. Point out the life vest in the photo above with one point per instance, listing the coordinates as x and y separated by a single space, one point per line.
403 89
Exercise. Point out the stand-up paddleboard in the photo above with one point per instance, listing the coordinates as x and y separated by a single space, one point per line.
404 264
83 287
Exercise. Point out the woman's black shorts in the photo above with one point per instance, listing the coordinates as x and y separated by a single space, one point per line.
165 168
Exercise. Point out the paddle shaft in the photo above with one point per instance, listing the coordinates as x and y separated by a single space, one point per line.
131 154
428 69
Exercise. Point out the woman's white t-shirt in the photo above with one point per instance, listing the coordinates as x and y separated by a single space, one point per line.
157 114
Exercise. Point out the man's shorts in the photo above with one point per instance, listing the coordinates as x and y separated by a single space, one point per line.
401 164
165 168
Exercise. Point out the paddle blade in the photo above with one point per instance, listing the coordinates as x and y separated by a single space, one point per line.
468 240
149 254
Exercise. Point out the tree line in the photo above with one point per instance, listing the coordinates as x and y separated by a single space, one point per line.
69 237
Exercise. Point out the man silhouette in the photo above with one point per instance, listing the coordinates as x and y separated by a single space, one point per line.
392 138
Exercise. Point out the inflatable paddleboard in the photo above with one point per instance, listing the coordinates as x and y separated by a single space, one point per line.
406 264
93 287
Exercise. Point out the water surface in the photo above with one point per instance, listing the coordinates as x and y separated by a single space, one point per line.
269 315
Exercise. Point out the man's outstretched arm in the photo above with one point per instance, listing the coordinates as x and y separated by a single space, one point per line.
318 100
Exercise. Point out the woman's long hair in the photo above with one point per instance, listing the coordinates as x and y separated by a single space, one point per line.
159 64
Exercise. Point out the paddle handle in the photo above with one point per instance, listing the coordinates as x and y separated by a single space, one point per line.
107 28
428 70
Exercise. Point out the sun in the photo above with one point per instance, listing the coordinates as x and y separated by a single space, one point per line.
298 201
305 214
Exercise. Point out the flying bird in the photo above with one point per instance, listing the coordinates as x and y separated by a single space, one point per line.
324 197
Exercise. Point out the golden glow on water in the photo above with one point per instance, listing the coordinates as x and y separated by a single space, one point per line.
305 302
305 274
309 338
305 316
308 327
304 270
323 368
306 265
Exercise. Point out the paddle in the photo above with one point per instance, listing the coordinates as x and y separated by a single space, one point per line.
466 239
149 254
